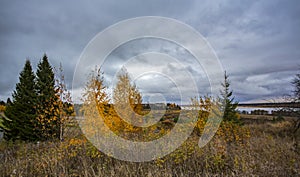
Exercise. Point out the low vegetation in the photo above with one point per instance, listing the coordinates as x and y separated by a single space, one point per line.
264 149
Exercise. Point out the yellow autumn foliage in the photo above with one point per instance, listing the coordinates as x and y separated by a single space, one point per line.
2 108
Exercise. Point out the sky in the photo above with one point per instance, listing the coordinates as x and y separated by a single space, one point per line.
257 43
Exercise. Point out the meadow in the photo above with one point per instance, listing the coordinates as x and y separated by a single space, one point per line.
260 147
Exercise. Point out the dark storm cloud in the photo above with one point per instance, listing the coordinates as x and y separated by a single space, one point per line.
256 41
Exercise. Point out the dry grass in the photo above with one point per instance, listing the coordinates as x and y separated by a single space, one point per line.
269 151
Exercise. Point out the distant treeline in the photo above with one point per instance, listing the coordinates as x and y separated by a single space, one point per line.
271 105
146 107
280 112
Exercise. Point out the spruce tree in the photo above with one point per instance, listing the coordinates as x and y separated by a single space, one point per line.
229 105
20 114
48 125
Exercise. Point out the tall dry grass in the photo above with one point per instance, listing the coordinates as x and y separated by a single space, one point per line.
268 151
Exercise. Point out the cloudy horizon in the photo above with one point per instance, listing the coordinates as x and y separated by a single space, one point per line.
257 42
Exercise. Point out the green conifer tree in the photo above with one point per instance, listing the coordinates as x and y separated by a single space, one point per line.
229 105
20 114
48 123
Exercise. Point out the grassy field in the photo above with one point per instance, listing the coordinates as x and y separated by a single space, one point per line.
269 149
